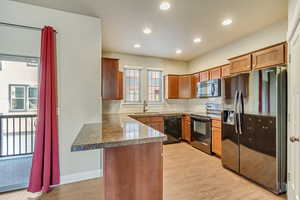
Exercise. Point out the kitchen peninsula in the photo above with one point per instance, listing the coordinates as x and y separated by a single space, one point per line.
133 164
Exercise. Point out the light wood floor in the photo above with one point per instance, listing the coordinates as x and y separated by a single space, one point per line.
189 174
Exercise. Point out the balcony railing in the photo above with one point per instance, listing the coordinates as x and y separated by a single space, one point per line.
17 134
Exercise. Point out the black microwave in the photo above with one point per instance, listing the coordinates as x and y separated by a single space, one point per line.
211 88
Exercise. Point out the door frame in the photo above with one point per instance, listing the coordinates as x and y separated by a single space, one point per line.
294 22
293 29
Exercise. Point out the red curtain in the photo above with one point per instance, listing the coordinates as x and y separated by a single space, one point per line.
45 161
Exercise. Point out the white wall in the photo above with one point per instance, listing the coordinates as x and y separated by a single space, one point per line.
78 69
168 67
263 38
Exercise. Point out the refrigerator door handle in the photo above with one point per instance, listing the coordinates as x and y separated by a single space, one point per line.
236 111
241 112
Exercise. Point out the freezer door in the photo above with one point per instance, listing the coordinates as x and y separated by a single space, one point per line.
230 147
263 90
258 150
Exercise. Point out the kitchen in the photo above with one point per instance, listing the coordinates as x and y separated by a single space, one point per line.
202 115
247 130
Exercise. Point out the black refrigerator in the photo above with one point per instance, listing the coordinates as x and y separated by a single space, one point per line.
254 127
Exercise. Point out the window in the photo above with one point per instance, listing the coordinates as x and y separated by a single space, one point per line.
17 98
132 85
154 86
32 97
23 98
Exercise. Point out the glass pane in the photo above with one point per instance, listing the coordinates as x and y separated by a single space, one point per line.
18 104
19 92
132 85
154 86
32 103
32 92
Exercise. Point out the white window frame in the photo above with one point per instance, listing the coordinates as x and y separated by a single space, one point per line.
11 109
144 82
125 101
161 86
29 98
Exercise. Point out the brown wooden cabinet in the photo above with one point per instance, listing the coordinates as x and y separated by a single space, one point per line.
186 128
270 56
215 73
225 70
240 64
171 86
155 122
204 76
120 85
216 137
184 86
112 79
195 80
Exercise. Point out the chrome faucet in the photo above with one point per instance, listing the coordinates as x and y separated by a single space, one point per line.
145 105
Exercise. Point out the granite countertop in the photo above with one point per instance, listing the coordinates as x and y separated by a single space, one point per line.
115 130
166 113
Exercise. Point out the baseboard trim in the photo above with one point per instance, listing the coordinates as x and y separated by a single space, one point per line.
72 178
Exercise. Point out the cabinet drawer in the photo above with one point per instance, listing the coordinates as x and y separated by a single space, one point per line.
216 123
144 120
156 119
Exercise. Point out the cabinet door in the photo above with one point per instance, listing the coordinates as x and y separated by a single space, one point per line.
185 86
269 57
120 85
215 73
240 64
225 70
109 71
171 87
186 128
216 141
204 76
195 80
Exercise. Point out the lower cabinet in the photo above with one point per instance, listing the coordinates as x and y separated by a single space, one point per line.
216 137
155 122
186 128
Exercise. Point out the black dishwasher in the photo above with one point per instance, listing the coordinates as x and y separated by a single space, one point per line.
172 129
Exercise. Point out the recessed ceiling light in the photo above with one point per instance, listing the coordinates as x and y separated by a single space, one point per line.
178 51
137 46
226 22
197 40
165 5
147 30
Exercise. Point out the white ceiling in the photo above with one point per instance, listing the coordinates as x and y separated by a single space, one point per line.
124 20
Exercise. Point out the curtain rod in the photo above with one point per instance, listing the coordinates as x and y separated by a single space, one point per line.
22 26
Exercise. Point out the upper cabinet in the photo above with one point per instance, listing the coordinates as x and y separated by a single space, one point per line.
225 70
215 73
204 76
112 79
171 86
271 56
195 80
240 64
184 84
